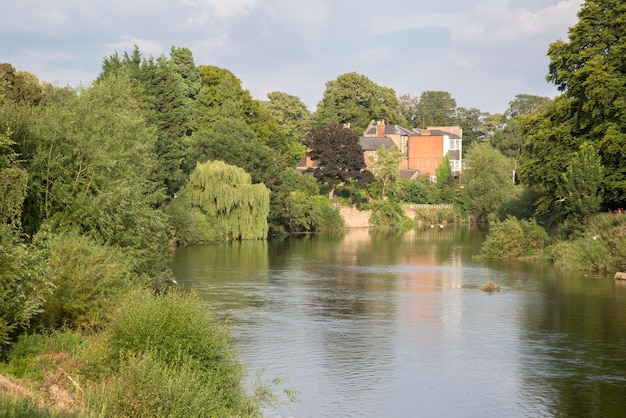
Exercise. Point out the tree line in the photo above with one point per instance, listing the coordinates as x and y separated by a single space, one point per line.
97 184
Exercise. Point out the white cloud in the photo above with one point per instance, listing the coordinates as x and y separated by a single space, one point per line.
146 46
498 25
205 11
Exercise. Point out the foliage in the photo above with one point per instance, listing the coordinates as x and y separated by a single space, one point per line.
588 68
486 175
19 86
514 239
435 108
96 177
600 248
13 182
88 280
420 190
354 99
385 168
166 89
290 113
173 338
304 213
222 97
581 184
337 154
24 285
226 195
387 214
12 407
444 171
521 205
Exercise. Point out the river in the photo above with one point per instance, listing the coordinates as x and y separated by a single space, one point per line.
376 325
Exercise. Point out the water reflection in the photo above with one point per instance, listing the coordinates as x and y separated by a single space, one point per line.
376 325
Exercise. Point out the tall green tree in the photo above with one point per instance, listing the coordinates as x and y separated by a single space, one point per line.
290 113
435 108
92 172
354 99
386 169
589 70
338 156
472 122
222 96
580 192
167 87
487 180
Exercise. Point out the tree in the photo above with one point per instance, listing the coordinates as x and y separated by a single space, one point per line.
408 108
19 86
225 194
435 108
386 169
338 155
290 113
580 192
486 179
472 122
167 87
444 171
13 182
525 104
92 172
589 70
355 99
222 96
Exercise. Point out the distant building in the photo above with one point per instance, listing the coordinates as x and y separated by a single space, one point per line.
422 150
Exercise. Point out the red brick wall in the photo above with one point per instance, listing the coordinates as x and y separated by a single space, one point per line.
425 153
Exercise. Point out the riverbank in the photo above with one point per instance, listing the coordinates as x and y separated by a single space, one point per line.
421 215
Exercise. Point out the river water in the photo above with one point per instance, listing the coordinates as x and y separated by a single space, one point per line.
372 325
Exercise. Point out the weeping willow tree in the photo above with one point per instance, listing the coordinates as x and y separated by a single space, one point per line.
233 206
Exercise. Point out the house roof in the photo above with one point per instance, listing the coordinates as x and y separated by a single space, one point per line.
436 132
408 174
390 130
373 143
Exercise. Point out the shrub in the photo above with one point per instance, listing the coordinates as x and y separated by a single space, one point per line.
512 238
420 191
177 334
88 280
24 286
148 387
598 245
12 407
388 214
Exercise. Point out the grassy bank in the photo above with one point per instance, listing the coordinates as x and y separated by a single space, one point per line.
159 356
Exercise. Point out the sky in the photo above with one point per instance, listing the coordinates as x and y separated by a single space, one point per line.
483 52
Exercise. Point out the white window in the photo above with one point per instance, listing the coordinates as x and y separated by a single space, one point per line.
455 144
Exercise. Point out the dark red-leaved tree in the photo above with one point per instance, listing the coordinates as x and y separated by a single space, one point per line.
338 156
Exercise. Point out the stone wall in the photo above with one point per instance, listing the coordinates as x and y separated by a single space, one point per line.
355 218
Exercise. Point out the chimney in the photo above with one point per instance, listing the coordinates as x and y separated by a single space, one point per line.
380 129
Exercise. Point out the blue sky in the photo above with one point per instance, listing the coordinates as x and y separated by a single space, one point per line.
483 52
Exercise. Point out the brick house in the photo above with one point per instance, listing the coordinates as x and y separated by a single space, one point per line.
422 150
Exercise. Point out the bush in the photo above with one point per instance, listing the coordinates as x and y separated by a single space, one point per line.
387 214
148 387
88 279
191 226
24 285
25 408
512 238
420 191
174 335
311 214
597 245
